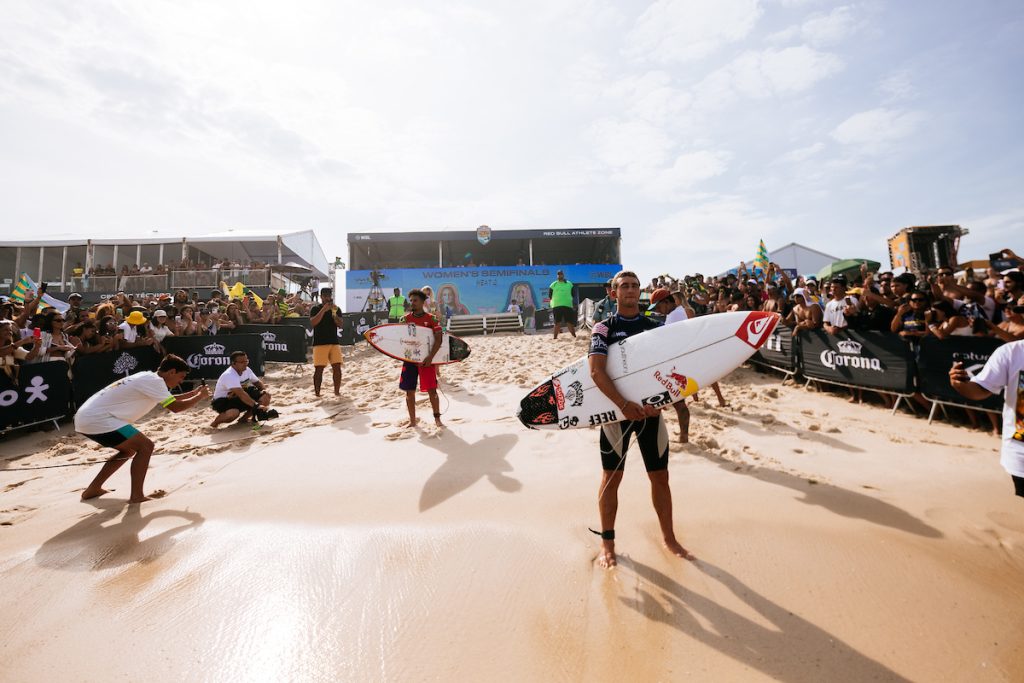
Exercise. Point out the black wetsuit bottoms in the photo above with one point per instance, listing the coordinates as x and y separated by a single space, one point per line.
651 436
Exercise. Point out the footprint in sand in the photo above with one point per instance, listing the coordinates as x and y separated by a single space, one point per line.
380 425
395 436
11 487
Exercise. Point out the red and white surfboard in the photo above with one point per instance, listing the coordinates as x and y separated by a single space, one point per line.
656 368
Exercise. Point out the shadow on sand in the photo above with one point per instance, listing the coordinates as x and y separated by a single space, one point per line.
789 649
466 464
833 498
99 542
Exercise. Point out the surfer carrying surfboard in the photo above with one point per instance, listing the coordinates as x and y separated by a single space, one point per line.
424 372
642 421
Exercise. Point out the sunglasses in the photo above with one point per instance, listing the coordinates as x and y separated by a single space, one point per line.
917 301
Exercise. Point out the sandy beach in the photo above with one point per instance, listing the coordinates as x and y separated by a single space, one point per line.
834 542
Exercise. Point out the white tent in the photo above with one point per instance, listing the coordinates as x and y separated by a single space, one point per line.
804 260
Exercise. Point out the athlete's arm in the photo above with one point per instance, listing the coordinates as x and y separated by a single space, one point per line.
959 380
176 404
629 409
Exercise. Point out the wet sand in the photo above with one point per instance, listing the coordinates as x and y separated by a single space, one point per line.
835 542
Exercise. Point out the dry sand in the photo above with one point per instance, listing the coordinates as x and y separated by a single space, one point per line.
835 542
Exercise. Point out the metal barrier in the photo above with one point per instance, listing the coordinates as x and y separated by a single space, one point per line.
187 279
106 284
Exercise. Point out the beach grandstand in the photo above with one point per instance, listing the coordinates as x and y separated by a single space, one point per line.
97 267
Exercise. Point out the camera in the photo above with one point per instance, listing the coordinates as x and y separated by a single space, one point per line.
376 276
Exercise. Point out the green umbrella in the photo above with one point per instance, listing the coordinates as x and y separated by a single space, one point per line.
848 267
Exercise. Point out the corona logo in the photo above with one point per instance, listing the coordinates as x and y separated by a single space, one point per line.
848 346
268 337
213 349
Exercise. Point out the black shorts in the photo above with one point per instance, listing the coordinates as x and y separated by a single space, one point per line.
1018 485
651 436
564 315
232 402
115 438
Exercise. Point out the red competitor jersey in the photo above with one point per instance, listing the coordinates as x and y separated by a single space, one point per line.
425 320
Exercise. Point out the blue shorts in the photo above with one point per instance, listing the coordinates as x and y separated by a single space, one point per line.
115 438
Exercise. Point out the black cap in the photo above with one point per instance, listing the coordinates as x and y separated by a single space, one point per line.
838 280
906 278
74 295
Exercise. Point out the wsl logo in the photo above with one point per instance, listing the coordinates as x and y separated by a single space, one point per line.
849 356
213 354
270 343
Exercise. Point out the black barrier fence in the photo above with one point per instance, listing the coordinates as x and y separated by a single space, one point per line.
281 343
94 371
208 357
42 392
936 356
777 351
873 360
352 326
544 319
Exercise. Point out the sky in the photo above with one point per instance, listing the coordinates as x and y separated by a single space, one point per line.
697 126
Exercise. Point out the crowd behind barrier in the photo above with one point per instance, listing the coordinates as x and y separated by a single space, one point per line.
883 332
880 361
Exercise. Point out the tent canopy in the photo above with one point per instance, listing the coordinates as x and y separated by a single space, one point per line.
848 267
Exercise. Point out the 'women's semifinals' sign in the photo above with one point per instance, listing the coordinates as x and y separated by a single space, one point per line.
476 289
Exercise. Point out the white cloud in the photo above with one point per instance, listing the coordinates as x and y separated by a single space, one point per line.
690 30
767 73
802 154
875 131
717 234
899 85
823 30
688 170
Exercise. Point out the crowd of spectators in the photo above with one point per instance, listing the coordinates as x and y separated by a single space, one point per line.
128 321
940 304
164 269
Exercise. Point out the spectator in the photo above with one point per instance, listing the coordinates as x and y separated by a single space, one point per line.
54 341
159 330
606 307
1013 288
805 315
108 329
838 307
74 314
909 321
942 320
1012 327
134 333
90 340
15 350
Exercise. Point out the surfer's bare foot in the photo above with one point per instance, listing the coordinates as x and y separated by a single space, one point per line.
684 437
606 558
93 493
674 547
135 501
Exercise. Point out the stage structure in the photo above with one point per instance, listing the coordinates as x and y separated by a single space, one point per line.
923 248
283 258
482 270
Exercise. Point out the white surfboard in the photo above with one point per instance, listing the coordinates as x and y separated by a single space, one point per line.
403 341
655 368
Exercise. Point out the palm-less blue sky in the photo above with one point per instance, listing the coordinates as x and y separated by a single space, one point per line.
698 126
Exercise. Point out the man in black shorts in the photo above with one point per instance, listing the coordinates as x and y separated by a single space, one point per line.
644 422
562 311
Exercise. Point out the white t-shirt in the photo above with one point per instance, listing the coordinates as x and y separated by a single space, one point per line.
676 315
1005 371
121 403
159 333
229 379
130 333
834 311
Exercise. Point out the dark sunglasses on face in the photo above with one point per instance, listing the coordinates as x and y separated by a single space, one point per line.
916 301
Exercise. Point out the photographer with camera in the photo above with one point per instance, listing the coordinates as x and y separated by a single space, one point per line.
326 319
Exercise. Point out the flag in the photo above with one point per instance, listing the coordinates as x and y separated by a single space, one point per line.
26 285
761 260
239 291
